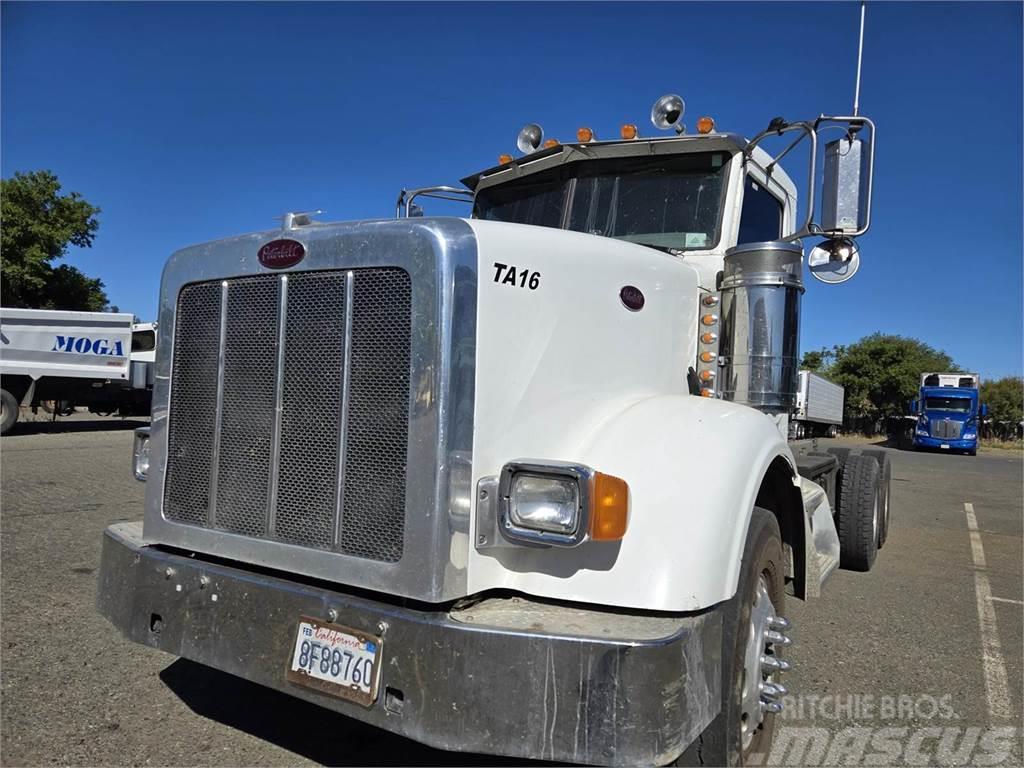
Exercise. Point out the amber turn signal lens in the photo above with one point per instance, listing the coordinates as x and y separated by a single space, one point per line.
707 357
707 392
609 513
709 319
707 375
584 135
708 338
710 300
705 125
629 131
504 159
549 143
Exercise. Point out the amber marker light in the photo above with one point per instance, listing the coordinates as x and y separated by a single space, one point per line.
708 338
709 319
503 159
707 375
707 392
705 124
707 357
710 301
609 514
629 131
549 143
584 135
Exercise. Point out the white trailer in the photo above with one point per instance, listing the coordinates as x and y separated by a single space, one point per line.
819 407
62 360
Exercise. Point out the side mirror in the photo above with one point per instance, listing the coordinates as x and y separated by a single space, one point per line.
984 410
845 194
834 261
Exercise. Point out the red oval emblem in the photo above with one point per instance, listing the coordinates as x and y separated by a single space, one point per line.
632 298
281 254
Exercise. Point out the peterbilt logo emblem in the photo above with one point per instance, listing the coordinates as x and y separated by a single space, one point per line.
281 254
632 298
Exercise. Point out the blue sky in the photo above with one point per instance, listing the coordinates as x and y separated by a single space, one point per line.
188 122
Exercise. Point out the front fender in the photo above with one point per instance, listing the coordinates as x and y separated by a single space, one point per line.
694 467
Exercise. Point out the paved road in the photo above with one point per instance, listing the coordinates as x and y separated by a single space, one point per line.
888 663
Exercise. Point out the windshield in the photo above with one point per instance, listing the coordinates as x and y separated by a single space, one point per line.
665 202
958 404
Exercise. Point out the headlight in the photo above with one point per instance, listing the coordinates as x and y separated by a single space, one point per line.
556 503
140 453
544 503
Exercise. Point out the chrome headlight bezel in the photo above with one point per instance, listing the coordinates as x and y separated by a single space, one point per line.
583 477
140 454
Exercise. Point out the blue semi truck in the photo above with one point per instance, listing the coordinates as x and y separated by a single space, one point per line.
948 412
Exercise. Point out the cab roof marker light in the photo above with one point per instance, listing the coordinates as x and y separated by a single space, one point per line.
585 135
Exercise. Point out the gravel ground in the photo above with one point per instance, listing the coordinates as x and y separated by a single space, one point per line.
898 648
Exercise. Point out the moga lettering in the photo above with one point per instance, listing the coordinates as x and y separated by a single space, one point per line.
86 346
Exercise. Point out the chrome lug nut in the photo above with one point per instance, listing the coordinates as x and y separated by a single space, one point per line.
771 636
779 624
773 691
775 664
771 706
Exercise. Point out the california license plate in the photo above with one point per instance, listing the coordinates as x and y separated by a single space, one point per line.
336 660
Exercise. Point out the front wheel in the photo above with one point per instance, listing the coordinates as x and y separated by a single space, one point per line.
753 634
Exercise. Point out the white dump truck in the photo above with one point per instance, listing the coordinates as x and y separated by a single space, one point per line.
819 407
60 360
517 483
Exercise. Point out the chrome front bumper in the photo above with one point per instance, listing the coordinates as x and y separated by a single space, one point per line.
505 675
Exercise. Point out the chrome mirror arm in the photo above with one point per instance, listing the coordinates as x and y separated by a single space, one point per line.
777 128
405 197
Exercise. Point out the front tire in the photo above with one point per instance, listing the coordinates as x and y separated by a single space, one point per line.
752 629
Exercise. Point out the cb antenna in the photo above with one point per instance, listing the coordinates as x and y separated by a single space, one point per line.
860 56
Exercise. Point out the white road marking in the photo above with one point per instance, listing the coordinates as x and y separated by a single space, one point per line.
996 687
1005 600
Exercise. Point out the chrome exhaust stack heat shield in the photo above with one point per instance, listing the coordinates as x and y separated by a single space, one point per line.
759 352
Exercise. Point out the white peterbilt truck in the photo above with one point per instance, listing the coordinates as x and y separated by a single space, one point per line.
517 483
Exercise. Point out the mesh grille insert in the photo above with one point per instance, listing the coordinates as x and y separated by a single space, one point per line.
302 405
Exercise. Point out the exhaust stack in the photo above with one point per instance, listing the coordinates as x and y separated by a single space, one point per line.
761 288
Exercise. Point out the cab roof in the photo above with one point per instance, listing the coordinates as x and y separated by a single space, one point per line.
551 157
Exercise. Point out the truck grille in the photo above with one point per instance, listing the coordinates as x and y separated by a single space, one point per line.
289 409
948 429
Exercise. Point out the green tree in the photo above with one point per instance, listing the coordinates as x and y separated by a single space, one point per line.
1005 399
38 225
819 359
882 373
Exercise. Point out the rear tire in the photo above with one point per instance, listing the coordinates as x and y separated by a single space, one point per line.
885 481
8 411
728 740
858 513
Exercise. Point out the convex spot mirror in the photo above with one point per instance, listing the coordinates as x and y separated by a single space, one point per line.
835 260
